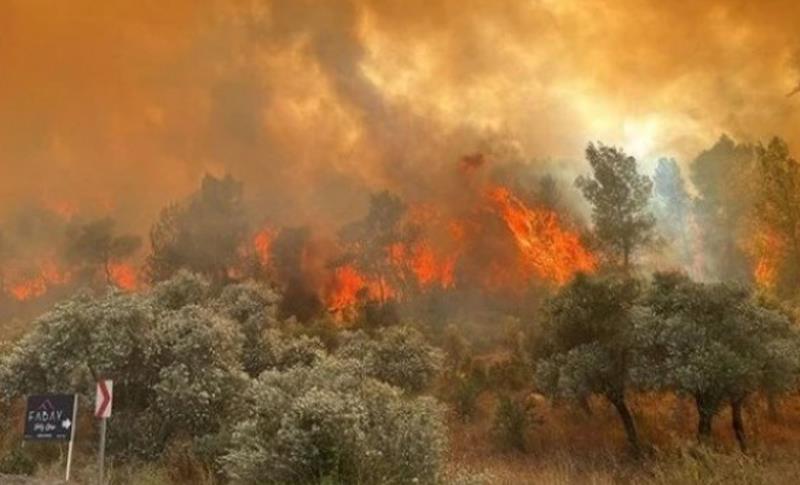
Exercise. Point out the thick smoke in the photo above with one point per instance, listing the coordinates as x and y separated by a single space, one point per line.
118 108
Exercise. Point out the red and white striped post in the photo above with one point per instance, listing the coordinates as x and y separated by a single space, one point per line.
102 410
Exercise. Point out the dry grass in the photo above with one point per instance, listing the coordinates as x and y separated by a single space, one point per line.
571 447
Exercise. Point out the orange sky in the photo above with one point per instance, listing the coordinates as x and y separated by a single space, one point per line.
119 107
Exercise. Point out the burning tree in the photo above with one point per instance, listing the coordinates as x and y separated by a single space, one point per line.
94 246
619 197
202 234
779 211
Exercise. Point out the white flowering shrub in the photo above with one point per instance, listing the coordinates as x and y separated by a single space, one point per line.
398 355
330 421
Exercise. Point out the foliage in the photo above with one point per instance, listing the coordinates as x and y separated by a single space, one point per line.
465 395
331 421
512 420
175 365
201 234
17 462
587 344
723 176
93 245
398 355
779 210
367 241
619 197
281 352
714 343
255 308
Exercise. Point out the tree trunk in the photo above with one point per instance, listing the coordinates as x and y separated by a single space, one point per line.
738 423
706 417
627 421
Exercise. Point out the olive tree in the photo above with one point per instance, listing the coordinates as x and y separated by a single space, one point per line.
714 343
396 355
330 422
586 344
255 309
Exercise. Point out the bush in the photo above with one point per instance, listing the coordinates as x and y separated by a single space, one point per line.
399 356
465 396
282 352
330 421
511 421
17 462
255 308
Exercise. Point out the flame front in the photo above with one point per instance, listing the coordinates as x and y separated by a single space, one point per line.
546 248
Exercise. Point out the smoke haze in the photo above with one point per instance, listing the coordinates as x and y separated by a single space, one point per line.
120 107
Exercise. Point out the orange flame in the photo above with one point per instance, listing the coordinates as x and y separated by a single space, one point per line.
769 249
348 286
262 243
547 249
49 275
123 276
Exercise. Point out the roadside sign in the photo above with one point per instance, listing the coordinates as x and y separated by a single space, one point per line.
102 406
50 417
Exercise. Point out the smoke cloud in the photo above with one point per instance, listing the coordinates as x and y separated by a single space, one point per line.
120 107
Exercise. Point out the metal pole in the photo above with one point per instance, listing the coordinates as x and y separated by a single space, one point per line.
101 454
72 434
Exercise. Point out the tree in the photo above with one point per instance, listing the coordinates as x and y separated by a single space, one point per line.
202 234
290 252
330 423
723 176
778 207
399 356
712 342
255 308
673 206
619 197
367 241
93 245
586 344
175 363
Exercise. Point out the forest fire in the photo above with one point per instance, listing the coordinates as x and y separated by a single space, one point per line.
46 275
769 254
262 242
546 248
124 276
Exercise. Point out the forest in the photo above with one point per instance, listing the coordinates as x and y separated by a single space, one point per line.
425 344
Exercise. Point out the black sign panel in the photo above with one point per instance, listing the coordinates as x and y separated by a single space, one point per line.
49 417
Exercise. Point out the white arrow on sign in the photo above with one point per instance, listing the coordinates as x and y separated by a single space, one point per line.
102 406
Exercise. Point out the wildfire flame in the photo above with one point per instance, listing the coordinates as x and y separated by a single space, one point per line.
348 285
123 276
262 243
769 248
48 274
546 248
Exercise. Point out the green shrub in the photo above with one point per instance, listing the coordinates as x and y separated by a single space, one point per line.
17 462
399 356
331 422
465 395
511 422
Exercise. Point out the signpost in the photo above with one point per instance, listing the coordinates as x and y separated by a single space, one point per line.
52 417
102 410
